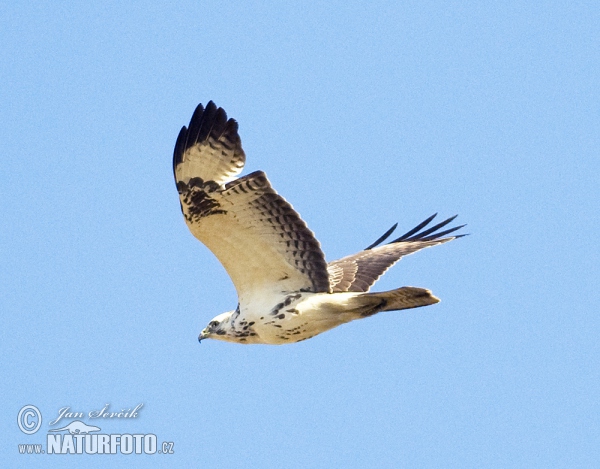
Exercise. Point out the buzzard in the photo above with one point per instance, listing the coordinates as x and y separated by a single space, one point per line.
287 292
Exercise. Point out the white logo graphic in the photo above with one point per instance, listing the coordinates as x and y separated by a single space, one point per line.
29 419
77 427
77 437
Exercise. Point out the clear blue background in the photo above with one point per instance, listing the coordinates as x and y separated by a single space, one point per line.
362 114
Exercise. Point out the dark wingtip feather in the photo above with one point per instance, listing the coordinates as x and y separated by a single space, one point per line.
444 233
417 228
382 238
433 229
203 121
179 147
206 120
417 235
429 234
195 125
183 139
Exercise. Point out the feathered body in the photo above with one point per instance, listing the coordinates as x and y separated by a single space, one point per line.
287 292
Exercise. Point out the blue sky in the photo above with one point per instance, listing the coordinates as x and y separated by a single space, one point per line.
362 115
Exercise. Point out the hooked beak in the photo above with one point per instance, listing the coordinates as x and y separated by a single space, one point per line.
203 335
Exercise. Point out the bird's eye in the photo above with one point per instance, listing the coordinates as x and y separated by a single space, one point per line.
213 324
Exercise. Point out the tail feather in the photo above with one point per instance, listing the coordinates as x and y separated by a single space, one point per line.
404 298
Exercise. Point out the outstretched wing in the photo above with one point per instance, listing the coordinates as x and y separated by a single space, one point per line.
358 272
258 237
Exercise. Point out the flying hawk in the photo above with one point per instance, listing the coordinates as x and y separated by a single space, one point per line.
287 291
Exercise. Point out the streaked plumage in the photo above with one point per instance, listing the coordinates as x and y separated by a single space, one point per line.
287 292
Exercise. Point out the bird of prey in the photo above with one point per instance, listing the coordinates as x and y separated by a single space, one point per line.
287 292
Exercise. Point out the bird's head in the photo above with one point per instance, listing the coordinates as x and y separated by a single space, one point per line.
218 328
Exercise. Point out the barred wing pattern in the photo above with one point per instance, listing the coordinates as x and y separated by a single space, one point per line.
209 148
358 272
258 237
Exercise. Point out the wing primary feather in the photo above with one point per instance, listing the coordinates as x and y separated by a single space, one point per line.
432 229
358 272
204 125
183 139
416 229
444 233
195 125
382 238
414 235
209 147
179 149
